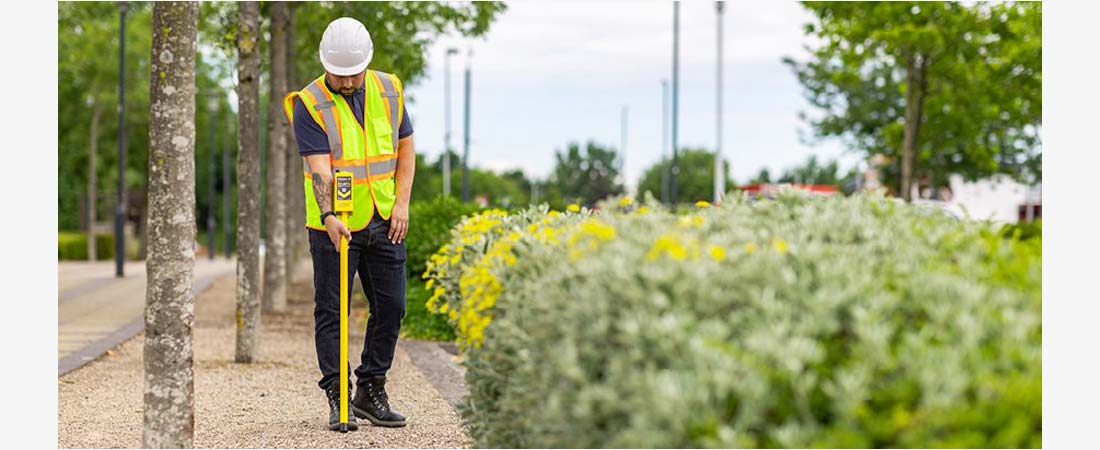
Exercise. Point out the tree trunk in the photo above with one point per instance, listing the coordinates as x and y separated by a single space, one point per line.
915 68
274 292
248 185
169 301
297 238
93 149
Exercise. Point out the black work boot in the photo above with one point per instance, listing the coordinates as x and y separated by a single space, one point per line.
333 394
372 403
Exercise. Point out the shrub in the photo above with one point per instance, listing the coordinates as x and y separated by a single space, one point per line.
795 322
73 246
429 228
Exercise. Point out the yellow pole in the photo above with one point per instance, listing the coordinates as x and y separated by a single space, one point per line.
342 203
343 328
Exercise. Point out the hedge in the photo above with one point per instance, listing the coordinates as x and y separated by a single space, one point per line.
793 322
73 246
430 223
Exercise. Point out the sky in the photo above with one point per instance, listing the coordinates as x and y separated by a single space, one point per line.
551 73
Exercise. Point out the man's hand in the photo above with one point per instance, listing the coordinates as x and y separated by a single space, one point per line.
335 229
399 222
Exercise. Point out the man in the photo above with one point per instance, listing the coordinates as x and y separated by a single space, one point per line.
352 119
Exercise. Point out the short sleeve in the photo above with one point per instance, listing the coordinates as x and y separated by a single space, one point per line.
311 138
406 129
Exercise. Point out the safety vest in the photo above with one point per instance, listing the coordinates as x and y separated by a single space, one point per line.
369 152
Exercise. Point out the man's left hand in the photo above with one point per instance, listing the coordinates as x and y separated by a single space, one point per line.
399 223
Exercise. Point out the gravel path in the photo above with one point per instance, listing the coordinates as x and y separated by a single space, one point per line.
272 403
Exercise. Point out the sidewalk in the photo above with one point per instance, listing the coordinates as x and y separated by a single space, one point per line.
96 311
274 402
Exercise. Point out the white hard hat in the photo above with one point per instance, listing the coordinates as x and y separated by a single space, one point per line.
346 48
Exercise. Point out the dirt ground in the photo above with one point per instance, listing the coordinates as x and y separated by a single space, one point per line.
274 402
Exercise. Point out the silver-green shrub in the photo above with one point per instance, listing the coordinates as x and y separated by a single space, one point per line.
795 322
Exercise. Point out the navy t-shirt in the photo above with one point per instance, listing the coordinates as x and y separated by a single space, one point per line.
311 137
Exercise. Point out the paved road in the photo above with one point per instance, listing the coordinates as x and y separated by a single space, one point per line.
96 311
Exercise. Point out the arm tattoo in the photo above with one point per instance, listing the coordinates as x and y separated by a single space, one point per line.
322 191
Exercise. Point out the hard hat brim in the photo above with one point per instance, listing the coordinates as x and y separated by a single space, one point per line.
342 70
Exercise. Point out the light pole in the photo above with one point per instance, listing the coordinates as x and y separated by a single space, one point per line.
466 134
227 188
447 120
120 208
212 195
719 174
664 141
622 147
675 99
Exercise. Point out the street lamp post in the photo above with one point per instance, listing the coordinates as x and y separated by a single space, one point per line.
227 189
466 134
447 120
120 208
622 145
675 99
719 174
664 141
211 192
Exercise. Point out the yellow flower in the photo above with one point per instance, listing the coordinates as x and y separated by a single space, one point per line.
691 221
717 253
600 230
429 284
750 248
702 203
626 201
553 214
667 244
780 246
573 208
643 209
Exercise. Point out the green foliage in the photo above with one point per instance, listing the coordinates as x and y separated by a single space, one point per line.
796 322
1026 230
983 99
430 223
87 59
587 175
504 190
696 176
402 31
73 246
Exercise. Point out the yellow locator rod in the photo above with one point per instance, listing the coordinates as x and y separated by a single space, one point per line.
342 204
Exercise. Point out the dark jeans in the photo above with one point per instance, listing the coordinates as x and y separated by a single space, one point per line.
381 268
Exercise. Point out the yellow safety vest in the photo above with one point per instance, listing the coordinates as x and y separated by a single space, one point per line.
369 152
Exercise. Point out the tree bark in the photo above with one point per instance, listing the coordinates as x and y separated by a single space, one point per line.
297 238
169 419
274 292
915 69
248 186
93 149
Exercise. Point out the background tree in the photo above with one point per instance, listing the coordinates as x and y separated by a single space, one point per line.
812 172
507 189
696 176
586 176
402 36
763 176
248 169
88 87
169 419
274 289
940 88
